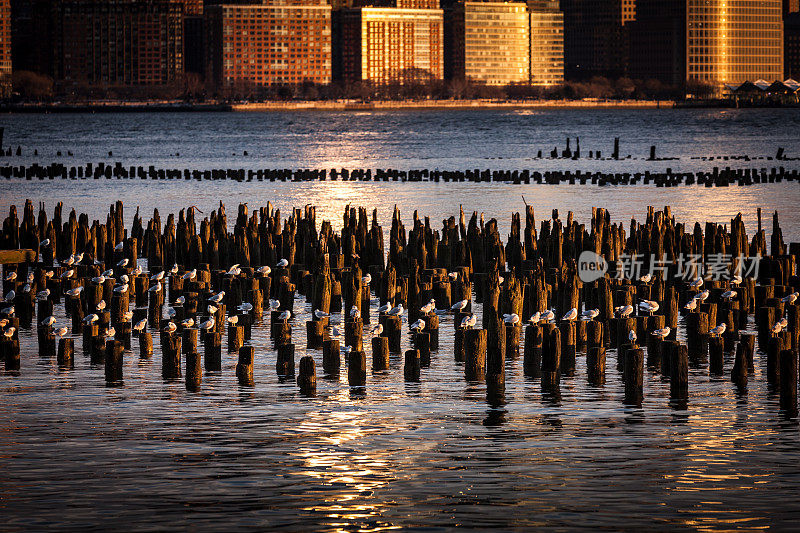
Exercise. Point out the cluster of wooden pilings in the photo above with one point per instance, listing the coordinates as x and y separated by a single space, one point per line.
714 178
205 284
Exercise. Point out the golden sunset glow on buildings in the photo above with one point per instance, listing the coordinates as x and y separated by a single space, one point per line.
547 43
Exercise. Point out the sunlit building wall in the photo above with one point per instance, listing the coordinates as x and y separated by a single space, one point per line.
547 43
488 42
268 44
386 45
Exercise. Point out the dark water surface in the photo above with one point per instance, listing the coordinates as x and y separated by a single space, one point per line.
431 455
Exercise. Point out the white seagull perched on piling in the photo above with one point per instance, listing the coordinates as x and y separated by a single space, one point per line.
10 295
11 276
69 261
108 273
9 333
43 295
75 292
590 314
274 305
234 270
45 243
776 328
736 280
137 270
60 332
127 316
691 305
121 288
662 333
170 328
119 247
396 311
783 322
548 315
384 308
624 311
729 295
123 262
174 269
101 305
264 270
49 274
211 309
180 300
91 319
208 324
453 275
355 313
171 312
283 263
67 274
286 315
187 323
8 311
111 332
459 306
791 298
535 317
571 315
632 336
99 280
320 314
648 306
647 278
139 326
3 322
696 284
157 277
418 326
30 277
428 307
217 298
192 274
246 307
47 322
719 330
511 319
703 296
377 330
366 279
469 321
155 288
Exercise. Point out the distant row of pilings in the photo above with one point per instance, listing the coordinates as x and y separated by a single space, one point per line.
204 281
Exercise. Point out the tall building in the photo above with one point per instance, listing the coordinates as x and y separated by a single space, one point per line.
708 41
791 39
5 48
386 45
596 37
118 42
547 43
268 44
487 42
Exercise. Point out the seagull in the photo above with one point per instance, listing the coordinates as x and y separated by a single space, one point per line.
127 316
11 276
43 295
208 324
500 280
234 270
137 270
320 314
283 263
662 333
70 261
590 314
78 258
107 273
30 277
155 288
121 288
384 308
632 336
453 275
777 328
355 313
75 292
26 288
45 243
691 305
511 319
180 300
217 298
9 333
187 323
123 263
624 311
648 306
264 270
336 332
571 315
696 284
535 317
736 280
783 322
124 278
9 296
396 311
174 269
469 321
366 279
171 312
49 274
140 325
719 330
459 306
427 308
377 330
286 315
170 328
729 295
246 307
548 315
418 326
91 319
192 274
212 310
99 280
111 332
47 322
118 248
8 311
60 332
791 298
157 277
67 274
3 322
702 296
101 305
646 278
274 305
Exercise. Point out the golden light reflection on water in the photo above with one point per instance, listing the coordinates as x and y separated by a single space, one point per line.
334 464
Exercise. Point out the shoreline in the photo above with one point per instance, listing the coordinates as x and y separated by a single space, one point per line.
331 105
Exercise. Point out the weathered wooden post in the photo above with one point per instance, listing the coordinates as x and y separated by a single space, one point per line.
307 377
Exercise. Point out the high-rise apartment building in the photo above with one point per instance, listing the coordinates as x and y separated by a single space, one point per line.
547 43
5 47
118 42
708 41
488 42
386 45
596 37
268 44
791 40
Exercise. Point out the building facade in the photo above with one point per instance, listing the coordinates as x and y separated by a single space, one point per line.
386 45
5 48
547 43
118 42
275 44
596 37
712 42
791 40
488 42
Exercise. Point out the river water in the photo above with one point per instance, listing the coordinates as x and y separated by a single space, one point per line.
422 456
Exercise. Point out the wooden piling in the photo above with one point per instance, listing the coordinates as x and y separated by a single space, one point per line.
307 376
